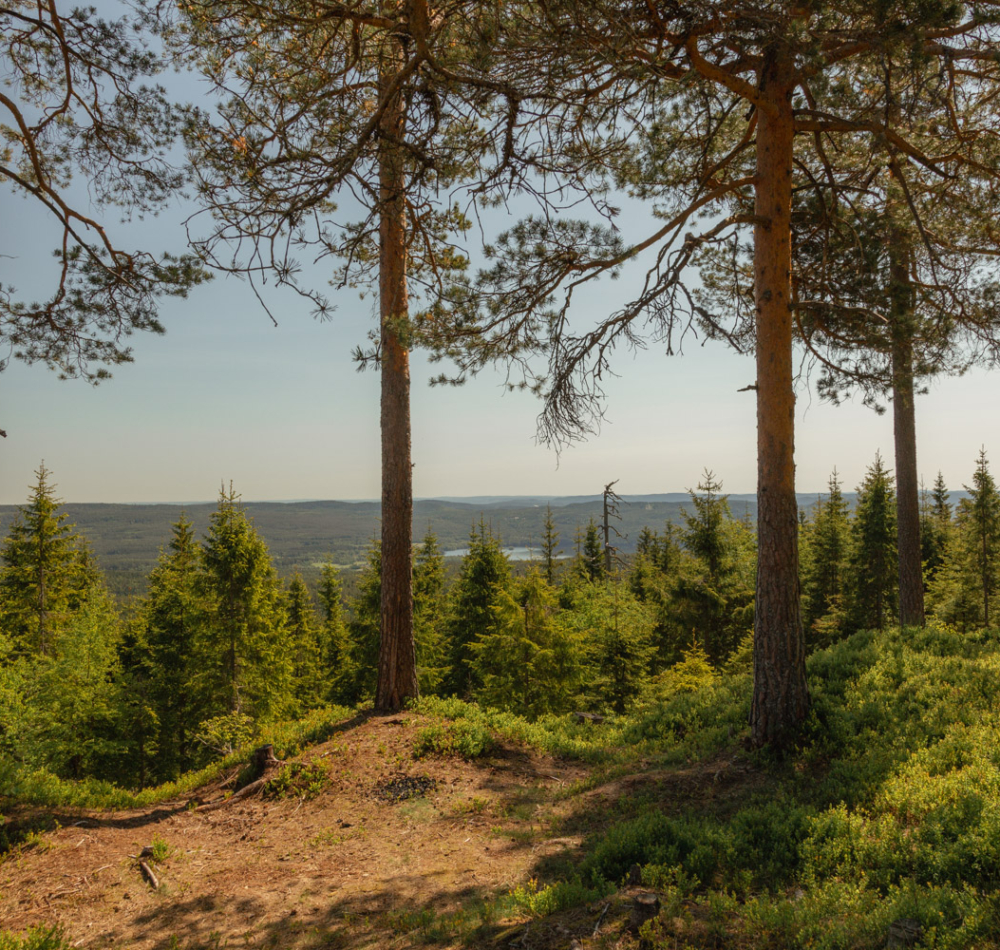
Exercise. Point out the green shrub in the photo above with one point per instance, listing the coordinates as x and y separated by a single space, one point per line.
465 738
37 938
298 780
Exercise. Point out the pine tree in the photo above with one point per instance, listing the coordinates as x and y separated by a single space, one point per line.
979 519
304 639
244 646
78 107
44 575
175 613
873 554
825 567
485 573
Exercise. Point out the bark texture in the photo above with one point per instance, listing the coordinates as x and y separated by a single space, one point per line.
397 668
911 579
780 695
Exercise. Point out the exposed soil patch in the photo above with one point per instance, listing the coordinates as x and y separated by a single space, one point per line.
341 869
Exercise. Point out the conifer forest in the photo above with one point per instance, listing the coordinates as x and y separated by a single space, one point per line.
778 731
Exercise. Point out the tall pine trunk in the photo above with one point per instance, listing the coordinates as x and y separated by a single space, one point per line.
780 695
397 668
911 578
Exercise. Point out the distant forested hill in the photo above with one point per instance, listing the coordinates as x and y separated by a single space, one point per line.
127 538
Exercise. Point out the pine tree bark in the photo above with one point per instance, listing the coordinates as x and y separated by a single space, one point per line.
397 669
780 695
911 579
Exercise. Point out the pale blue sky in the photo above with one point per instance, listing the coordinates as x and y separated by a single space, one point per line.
282 413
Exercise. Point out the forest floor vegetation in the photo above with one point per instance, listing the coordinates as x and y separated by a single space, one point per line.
450 825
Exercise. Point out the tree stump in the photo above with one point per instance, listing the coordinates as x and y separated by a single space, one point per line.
644 907
904 933
264 758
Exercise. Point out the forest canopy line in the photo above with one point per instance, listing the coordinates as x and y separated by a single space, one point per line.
141 691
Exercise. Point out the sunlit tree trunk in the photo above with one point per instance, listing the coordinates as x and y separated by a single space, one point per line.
911 580
397 669
780 696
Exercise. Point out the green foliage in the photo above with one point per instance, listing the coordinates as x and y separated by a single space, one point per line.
979 520
962 587
527 660
757 849
173 616
935 528
485 574
73 721
244 656
38 787
355 680
429 614
298 780
45 575
550 547
873 561
615 630
824 549
335 651
223 735
305 641
698 579
592 565
465 738
35 938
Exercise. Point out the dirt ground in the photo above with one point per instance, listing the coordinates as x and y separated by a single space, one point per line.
346 868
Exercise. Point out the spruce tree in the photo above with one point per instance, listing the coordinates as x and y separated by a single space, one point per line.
702 534
334 650
244 646
616 636
979 520
304 639
76 710
358 675
550 546
935 527
44 576
175 613
955 594
484 574
825 567
526 660
429 614
593 559
873 553
711 595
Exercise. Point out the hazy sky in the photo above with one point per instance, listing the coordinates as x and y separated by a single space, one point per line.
281 411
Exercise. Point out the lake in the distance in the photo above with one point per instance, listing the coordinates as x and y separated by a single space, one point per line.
513 554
